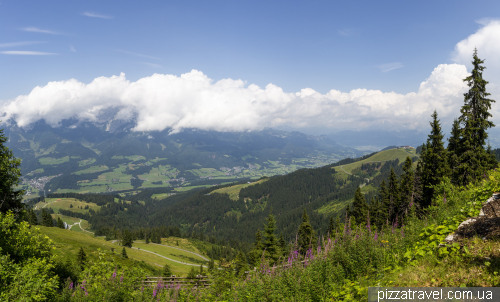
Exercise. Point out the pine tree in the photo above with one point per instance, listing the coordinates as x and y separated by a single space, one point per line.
256 252
331 227
147 238
124 253
211 264
282 245
435 161
359 207
307 236
81 258
270 244
241 265
417 186
454 150
406 187
394 196
167 271
10 172
201 270
473 159
384 204
127 239
47 219
32 219
60 223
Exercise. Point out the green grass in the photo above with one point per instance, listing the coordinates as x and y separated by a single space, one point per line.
86 162
92 169
382 156
68 242
172 253
53 161
160 196
65 203
233 191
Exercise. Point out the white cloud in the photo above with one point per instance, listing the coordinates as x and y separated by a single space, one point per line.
390 66
137 54
72 48
38 30
27 53
193 100
94 15
14 44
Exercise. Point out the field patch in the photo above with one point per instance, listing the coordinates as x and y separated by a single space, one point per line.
86 162
233 191
382 157
53 161
92 169
68 243
173 253
70 204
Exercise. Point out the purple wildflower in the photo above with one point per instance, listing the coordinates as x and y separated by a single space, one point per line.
154 292
114 274
142 289
71 285
369 226
376 236
121 279
86 293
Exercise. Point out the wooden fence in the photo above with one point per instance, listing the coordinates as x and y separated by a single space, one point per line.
173 281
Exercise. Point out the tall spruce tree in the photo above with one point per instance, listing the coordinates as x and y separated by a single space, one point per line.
454 150
406 186
60 223
473 159
307 236
10 172
331 227
127 239
32 219
124 253
359 207
47 219
392 202
435 160
167 271
282 245
271 244
256 252
384 201
81 258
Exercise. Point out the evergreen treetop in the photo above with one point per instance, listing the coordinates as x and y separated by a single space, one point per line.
435 160
10 199
307 236
473 159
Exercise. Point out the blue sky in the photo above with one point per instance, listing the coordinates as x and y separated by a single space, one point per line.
385 46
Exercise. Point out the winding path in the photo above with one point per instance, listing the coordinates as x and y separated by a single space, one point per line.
177 261
79 224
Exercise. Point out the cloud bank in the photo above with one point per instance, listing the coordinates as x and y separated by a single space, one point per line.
193 100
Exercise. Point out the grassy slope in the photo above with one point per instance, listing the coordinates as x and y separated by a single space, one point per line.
383 156
68 243
64 203
233 191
